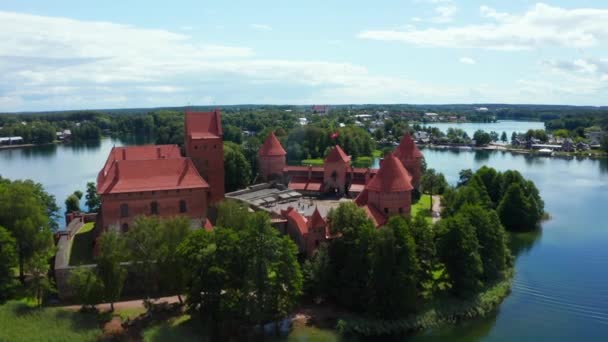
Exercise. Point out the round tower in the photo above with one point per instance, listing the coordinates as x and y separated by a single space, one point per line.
271 159
411 158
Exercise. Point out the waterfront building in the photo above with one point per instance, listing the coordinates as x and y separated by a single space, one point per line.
149 180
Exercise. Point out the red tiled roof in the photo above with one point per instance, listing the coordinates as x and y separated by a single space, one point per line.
140 153
361 199
337 154
407 148
375 215
391 177
292 168
150 175
208 226
356 188
272 147
203 125
316 220
294 216
300 183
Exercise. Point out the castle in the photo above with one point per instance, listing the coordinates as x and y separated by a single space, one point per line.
158 180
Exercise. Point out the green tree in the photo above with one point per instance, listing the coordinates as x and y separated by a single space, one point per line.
72 203
433 183
87 286
464 176
426 253
394 271
237 168
350 255
516 211
8 260
38 267
459 252
241 277
170 267
503 137
495 254
481 138
93 201
112 251
144 243
317 273
24 212
604 142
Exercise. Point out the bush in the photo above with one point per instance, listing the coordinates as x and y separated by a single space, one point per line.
87 287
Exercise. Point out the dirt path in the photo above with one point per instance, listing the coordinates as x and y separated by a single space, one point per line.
131 304
436 208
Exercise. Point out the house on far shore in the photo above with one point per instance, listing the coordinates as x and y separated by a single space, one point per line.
320 109
16 140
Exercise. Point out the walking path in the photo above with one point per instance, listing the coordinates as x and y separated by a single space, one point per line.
130 304
436 208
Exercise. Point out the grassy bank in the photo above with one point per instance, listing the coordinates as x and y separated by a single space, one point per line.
20 321
81 252
439 312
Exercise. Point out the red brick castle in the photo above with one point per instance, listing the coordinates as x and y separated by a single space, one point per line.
158 180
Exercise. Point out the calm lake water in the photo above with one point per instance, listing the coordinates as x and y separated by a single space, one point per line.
560 290
501 126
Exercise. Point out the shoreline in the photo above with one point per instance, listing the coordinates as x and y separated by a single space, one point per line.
441 312
556 154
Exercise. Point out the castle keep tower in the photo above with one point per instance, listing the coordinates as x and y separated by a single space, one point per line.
411 157
204 145
271 158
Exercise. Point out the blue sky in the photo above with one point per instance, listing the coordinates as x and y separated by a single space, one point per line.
58 55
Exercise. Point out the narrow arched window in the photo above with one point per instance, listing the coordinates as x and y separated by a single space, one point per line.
124 210
182 206
125 228
154 208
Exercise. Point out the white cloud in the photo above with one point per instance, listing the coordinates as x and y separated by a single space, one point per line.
541 25
186 28
103 64
262 27
445 13
467 60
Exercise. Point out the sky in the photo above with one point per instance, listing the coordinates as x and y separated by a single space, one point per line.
62 55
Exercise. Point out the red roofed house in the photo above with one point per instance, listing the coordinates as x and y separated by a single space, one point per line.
307 234
204 145
271 158
388 193
411 157
149 180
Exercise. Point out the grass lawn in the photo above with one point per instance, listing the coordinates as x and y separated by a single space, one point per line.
182 328
313 162
423 206
82 246
185 328
22 322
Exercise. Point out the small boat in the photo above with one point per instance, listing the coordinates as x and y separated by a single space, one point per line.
545 152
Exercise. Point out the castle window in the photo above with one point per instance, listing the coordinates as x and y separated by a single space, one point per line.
124 210
125 227
154 208
182 206
400 210
215 146
196 147
386 210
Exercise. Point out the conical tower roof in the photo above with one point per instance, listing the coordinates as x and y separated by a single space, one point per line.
272 147
407 148
392 177
337 154
316 220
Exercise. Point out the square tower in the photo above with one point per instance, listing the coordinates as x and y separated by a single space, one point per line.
204 145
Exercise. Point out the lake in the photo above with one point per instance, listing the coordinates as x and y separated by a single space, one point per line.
560 290
508 126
